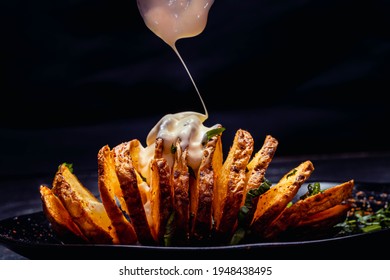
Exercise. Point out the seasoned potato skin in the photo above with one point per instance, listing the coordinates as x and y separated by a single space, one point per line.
174 205
60 219
86 210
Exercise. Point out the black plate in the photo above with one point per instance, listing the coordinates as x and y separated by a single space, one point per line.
31 236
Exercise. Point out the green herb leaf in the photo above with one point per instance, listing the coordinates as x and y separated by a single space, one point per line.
359 222
241 231
173 149
169 230
238 235
68 165
292 173
209 134
312 189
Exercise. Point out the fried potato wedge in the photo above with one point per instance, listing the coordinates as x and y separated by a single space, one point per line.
305 208
181 194
87 210
325 218
318 225
231 183
60 219
202 191
132 186
110 193
136 150
165 195
256 170
275 200
161 200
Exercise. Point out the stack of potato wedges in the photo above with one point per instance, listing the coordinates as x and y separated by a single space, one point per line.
226 200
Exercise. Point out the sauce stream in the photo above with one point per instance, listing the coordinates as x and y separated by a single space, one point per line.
172 20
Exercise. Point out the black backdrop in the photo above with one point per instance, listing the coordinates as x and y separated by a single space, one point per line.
305 71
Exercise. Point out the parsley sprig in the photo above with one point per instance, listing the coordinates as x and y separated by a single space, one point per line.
360 222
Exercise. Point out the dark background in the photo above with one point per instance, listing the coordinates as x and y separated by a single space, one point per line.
79 74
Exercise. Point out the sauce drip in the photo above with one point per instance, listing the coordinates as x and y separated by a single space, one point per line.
172 20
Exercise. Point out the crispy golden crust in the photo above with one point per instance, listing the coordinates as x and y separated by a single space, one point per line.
327 217
181 190
131 193
260 162
173 204
86 210
231 184
135 149
257 168
317 225
202 193
309 206
275 200
109 188
59 218
161 193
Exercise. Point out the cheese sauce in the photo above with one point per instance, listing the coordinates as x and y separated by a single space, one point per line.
188 126
172 20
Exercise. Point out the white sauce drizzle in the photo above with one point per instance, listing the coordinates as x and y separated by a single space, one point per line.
172 20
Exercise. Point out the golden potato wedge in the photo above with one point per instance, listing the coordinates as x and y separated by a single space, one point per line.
135 151
203 188
181 194
129 184
110 193
271 203
230 185
304 208
139 155
161 200
326 218
59 218
318 225
86 210
256 170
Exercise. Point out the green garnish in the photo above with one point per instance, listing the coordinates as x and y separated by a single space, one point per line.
246 208
209 134
291 173
169 230
312 189
238 235
358 222
173 149
249 198
68 165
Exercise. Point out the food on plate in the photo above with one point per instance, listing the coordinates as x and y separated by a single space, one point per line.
111 192
134 189
277 198
202 189
60 219
86 210
180 190
231 184
256 170
321 224
313 210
